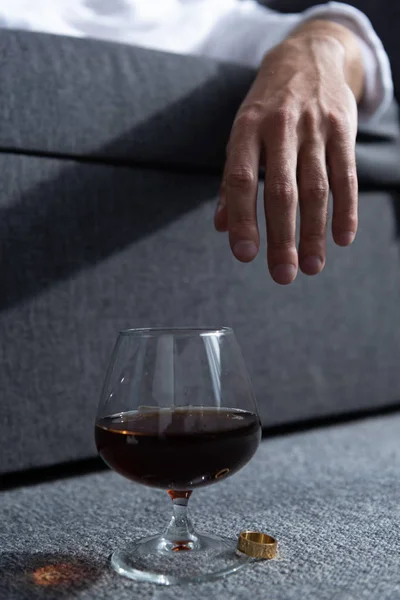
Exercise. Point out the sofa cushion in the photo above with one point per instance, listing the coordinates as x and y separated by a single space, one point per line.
88 249
114 102
329 496
117 103
104 226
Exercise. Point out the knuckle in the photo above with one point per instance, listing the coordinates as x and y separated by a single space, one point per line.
242 226
311 121
349 180
316 192
249 116
282 193
284 243
314 238
241 178
241 220
346 184
283 117
340 122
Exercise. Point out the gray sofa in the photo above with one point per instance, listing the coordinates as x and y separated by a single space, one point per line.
110 158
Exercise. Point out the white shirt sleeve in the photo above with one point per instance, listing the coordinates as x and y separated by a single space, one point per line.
240 31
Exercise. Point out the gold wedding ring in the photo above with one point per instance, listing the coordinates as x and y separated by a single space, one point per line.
257 544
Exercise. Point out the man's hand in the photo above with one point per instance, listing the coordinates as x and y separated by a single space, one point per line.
299 119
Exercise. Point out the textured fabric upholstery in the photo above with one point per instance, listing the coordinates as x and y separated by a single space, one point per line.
89 249
330 497
109 161
117 103
82 97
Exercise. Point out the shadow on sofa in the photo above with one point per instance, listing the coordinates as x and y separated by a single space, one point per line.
61 217
84 208
100 202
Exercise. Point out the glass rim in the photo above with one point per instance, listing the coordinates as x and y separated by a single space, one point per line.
178 331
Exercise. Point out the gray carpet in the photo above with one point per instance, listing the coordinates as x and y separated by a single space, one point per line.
331 497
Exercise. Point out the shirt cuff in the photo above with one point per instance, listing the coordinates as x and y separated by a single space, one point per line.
378 85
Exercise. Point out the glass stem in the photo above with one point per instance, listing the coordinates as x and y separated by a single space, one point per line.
180 532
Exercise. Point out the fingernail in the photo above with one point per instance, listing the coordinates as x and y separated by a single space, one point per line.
245 250
311 265
219 208
345 238
284 274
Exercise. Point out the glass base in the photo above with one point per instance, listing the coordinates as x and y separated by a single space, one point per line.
158 560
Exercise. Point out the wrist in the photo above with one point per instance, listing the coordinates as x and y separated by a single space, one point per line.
343 46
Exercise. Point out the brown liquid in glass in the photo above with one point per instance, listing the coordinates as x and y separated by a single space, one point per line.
178 449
